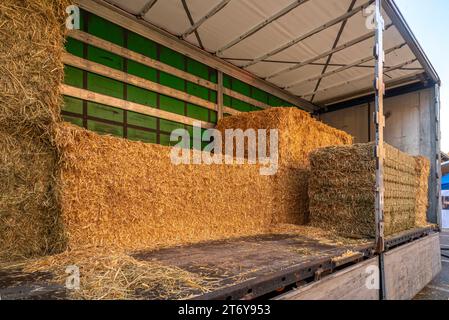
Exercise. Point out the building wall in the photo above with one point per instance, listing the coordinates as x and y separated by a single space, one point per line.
410 127
106 119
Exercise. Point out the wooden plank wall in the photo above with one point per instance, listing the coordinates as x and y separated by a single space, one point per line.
409 268
349 284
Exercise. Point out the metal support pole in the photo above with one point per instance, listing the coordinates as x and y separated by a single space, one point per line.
379 122
438 155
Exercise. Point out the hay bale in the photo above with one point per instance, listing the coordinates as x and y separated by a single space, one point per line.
31 68
342 185
125 194
422 196
299 134
29 212
31 47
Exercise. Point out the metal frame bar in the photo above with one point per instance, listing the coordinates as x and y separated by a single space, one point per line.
150 4
324 55
386 70
261 25
396 17
413 78
379 124
438 155
309 34
337 40
189 16
346 67
209 15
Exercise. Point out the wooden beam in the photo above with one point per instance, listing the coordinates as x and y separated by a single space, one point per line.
246 99
130 106
129 54
100 69
220 97
149 31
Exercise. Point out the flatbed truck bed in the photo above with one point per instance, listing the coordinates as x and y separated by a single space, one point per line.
261 267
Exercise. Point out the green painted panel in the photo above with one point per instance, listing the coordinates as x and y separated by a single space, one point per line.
105 58
73 120
254 108
172 105
275 101
172 58
140 135
106 30
241 87
104 112
197 68
227 100
213 75
75 47
104 85
73 76
197 91
105 128
142 45
197 112
142 71
73 105
241 105
142 96
141 120
227 81
165 140
172 81
259 95
213 96
168 126
213 116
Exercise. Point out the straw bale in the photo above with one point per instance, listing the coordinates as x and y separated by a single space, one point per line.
299 134
29 212
31 68
422 197
107 274
125 194
31 47
342 186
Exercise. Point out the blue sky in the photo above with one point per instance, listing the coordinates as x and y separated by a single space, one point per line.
430 23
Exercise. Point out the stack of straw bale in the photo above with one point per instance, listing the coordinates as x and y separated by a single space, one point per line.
342 188
31 46
422 196
119 193
299 134
64 187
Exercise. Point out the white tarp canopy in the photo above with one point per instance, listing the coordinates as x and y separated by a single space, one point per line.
319 50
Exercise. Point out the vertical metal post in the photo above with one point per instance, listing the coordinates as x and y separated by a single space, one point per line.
220 95
379 120
438 151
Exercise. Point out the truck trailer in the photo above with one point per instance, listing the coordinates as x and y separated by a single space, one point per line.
140 69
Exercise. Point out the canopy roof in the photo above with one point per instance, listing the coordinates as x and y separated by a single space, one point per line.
318 50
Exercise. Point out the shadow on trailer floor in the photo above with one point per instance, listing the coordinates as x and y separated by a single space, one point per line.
438 289
243 268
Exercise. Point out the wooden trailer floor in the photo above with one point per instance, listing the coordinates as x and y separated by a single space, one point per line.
244 268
